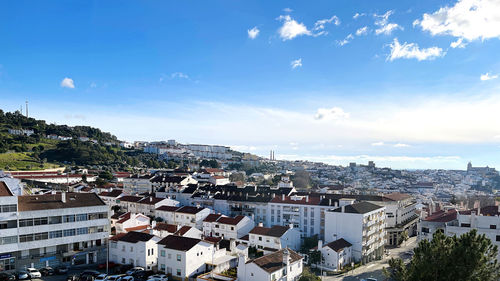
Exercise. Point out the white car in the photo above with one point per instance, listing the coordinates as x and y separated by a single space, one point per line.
158 277
101 277
115 277
33 273
134 270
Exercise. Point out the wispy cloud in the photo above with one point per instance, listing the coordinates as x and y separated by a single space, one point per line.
401 145
413 51
362 31
334 113
68 83
346 40
380 143
488 76
253 33
466 20
287 10
320 24
384 26
357 15
296 63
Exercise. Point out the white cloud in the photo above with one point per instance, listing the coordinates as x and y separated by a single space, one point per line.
296 63
380 143
467 19
346 40
458 44
357 15
334 113
320 24
179 75
291 28
401 145
412 51
287 10
253 33
362 31
68 83
487 76
384 26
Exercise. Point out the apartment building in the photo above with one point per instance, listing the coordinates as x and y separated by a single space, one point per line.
135 248
216 225
43 230
137 184
361 224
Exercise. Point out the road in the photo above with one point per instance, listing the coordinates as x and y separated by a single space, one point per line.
374 269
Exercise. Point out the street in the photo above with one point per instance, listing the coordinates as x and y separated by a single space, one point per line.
374 269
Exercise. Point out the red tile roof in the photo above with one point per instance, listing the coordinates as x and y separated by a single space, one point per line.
212 217
123 218
274 231
231 221
167 208
442 216
172 228
183 230
139 227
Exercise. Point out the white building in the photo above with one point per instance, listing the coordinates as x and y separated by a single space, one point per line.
163 230
43 230
216 225
283 265
183 256
137 184
135 248
361 224
132 222
183 216
270 239
335 254
188 231
148 205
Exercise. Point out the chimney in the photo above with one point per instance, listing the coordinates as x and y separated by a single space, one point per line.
290 225
150 199
307 198
320 244
282 197
63 197
343 208
261 224
330 202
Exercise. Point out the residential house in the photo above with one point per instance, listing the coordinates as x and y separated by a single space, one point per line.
135 248
270 239
282 265
226 227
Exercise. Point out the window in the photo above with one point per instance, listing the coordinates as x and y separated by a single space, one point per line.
40 221
29 238
25 222
162 253
123 248
82 231
498 238
69 218
162 267
465 224
493 226
69 232
94 216
131 249
8 208
55 220
113 245
260 238
169 256
178 257
8 240
41 236
123 260
152 251
81 217
149 252
178 272
55 234
425 230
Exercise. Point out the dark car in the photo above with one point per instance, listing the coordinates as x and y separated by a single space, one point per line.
72 278
143 274
63 269
22 275
124 268
88 272
46 271
4 276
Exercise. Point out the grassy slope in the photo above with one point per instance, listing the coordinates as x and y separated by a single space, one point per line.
14 161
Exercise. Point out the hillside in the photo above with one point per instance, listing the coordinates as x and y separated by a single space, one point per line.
37 151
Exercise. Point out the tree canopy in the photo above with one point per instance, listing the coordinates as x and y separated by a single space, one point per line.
469 257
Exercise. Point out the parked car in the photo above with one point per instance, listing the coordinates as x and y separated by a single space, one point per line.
142 274
72 278
63 269
89 272
127 278
4 276
115 277
33 273
158 277
110 265
124 268
22 275
46 271
134 270
100 277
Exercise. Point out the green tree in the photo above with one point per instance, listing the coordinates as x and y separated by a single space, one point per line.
307 275
237 177
469 257
403 238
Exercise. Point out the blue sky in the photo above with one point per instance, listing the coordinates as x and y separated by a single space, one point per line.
409 84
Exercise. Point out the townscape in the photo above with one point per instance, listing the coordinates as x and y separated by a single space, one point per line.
219 214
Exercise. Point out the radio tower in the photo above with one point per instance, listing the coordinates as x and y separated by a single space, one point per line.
27 109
